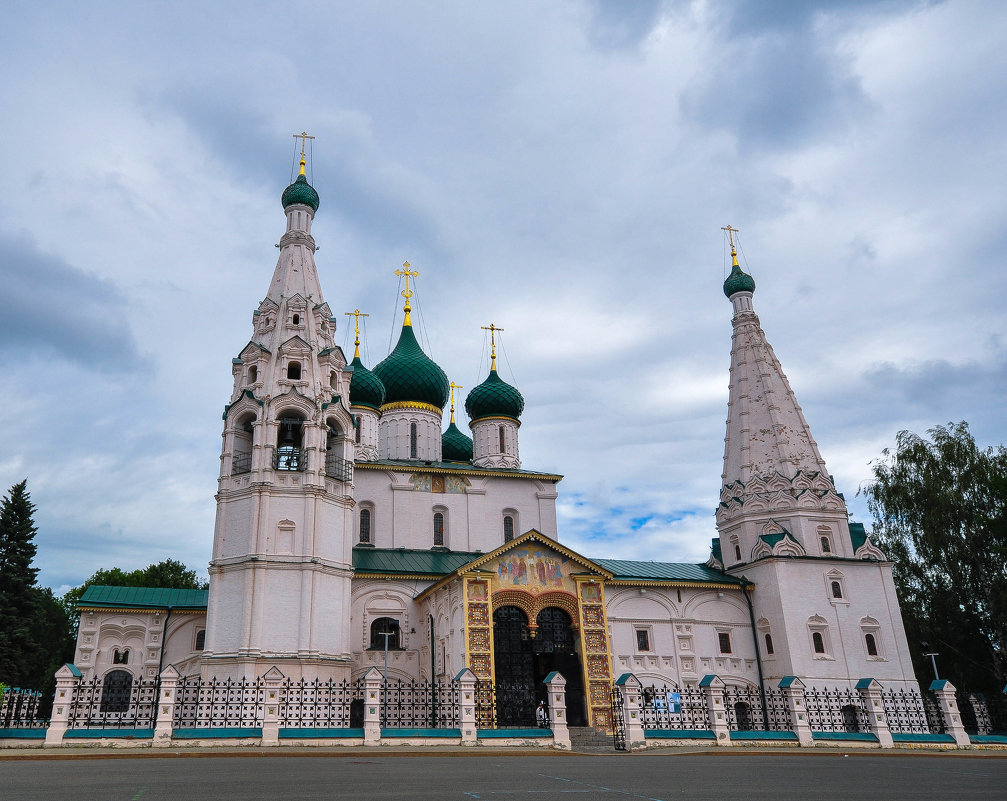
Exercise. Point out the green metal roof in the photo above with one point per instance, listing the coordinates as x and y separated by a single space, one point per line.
738 281
300 191
626 570
142 598
455 446
408 374
494 397
455 467
400 560
858 536
366 388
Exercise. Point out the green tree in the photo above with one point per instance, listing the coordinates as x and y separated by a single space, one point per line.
940 513
17 586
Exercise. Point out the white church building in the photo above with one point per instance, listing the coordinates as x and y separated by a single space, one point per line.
352 528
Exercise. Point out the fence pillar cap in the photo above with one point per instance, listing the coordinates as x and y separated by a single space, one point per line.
169 672
463 675
555 678
373 674
869 684
628 680
791 681
273 674
712 680
68 671
942 684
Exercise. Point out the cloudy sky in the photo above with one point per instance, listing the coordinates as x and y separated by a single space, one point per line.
562 169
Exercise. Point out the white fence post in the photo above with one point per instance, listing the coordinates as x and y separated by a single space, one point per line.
372 707
793 691
467 706
874 705
714 686
165 707
630 687
67 678
556 687
944 692
272 679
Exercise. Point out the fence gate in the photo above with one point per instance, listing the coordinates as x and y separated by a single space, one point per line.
618 720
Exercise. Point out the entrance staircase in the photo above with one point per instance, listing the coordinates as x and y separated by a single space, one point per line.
590 740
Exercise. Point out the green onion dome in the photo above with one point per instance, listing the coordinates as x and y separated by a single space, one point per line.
366 388
494 397
738 281
410 376
300 191
455 446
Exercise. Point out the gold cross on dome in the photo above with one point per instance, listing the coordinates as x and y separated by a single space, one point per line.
454 386
407 293
493 344
356 314
730 235
304 137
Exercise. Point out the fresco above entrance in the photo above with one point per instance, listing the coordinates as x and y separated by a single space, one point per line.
533 569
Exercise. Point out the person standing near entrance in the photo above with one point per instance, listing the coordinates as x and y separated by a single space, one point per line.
542 715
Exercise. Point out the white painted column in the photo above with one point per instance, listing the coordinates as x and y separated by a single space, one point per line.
166 707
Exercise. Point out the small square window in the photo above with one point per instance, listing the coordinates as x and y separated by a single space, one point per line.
725 642
642 640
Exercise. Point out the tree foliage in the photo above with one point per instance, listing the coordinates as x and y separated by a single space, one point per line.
940 512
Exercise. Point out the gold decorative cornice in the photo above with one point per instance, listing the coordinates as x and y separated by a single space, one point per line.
455 471
415 405
495 417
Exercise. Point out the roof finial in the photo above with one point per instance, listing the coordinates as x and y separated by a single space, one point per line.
356 314
454 386
304 137
493 344
407 293
730 234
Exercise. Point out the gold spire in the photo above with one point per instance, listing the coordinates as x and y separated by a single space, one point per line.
356 314
730 234
304 137
454 386
407 293
493 344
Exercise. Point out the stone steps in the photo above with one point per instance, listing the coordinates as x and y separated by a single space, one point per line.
587 737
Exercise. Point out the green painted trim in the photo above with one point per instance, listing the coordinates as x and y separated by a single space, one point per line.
679 734
920 737
436 733
22 734
118 734
763 735
517 734
320 734
851 736
233 732
990 739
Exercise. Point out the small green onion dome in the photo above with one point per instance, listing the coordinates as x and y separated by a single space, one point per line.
366 388
494 397
300 191
455 446
738 281
410 375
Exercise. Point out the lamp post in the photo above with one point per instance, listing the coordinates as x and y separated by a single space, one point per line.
384 689
932 655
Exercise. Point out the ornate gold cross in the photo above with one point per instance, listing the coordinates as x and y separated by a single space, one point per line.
493 344
304 137
454 386
730 235
356 314
407 293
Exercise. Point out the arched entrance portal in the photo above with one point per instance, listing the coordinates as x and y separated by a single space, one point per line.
523 657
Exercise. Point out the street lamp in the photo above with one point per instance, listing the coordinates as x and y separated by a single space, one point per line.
932 654
384 689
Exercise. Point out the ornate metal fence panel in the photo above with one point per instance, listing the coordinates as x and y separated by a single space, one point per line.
933 713
219 703
836 710
755 709
419 704
907 713
22 709
505 705
674 708
116 701
618 720
974 712
317 704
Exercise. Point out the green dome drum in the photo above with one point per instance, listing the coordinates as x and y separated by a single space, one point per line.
455 446
494 397
300 191
366 388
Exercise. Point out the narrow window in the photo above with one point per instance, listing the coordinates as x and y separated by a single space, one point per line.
357 431
503 441
872 645
819 642
642 640
380 628
725 642
679 591
413 441
294 371
769 644
200 639
297 318
837 590
737 552
333 380
438 528
508 528
253 374
826 546
365 525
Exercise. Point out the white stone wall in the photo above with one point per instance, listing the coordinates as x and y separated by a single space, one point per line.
395 435
486 450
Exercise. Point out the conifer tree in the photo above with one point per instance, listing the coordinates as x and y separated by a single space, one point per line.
18 604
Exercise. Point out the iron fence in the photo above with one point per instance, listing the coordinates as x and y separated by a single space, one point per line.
836 710
23 709
505 705
321 704
756 709
909 712
219 703
117 701
982 714
416 704
618 720
338 468
675 708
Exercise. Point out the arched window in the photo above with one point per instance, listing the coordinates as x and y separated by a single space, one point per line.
818 641
241 455
743 716
289 444
356 429
120 657
837 589
413 441
296 319
769 644
253 374
871 643
116 691
826 545
380 628
294 371
503 441
438 528
200 639
365 525
333 379
737 552
508 528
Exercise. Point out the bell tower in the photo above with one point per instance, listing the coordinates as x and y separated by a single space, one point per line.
281 567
